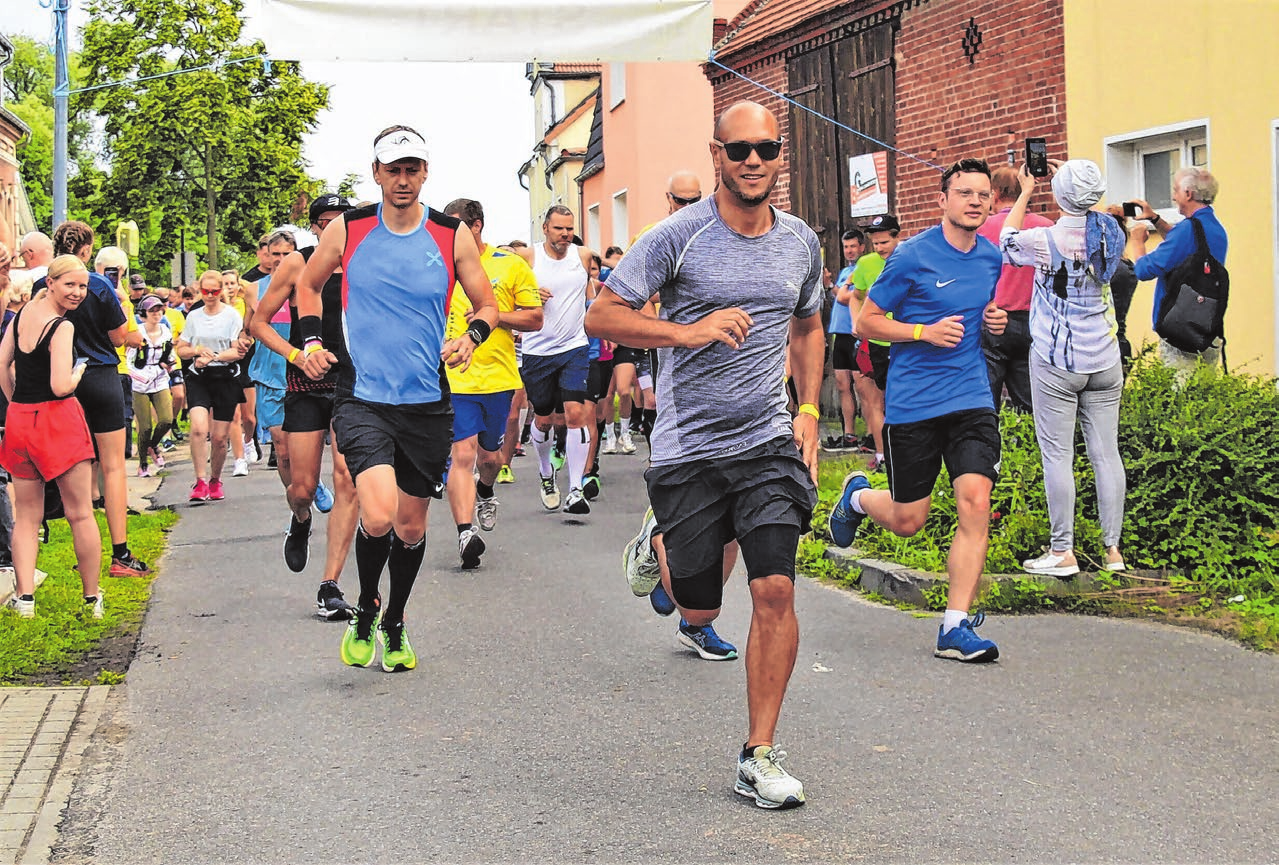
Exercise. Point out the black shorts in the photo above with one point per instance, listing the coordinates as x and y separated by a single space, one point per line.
415 440
879 364
308 411
242 373
968 442
762 497
100 395
844 352
597 381
625 354
175 377
216 389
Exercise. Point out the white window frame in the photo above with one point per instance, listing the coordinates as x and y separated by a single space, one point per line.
1124 165
593 225
616 85
621 225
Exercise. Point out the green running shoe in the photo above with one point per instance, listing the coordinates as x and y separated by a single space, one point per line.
397 654
357 642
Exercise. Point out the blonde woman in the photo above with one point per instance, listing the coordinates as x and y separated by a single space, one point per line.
46 435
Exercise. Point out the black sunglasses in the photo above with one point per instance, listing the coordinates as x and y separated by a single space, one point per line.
740 151
684 202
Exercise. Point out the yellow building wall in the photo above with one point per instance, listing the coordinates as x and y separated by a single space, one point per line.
575 136
1133 66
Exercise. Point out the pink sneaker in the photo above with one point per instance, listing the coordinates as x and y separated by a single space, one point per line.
157 458
200 491
144 472
215 490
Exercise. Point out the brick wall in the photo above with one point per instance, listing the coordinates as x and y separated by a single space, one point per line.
730 89
948 108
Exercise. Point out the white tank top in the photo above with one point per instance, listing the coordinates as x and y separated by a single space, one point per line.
564 315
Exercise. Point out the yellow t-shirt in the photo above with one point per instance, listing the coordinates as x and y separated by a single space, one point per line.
132 321
177 323
493 367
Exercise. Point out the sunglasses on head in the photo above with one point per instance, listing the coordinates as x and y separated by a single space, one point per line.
684 202
740 151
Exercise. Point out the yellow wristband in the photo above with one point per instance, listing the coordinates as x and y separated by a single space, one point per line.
919 331
293 355
809 409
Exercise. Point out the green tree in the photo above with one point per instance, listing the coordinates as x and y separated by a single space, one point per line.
346 188
218 150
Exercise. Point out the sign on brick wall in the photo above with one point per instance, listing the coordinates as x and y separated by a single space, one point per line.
868 183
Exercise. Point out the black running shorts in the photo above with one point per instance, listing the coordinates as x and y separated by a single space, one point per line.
968 442
100 396
216 389
844 353
415 440
307 411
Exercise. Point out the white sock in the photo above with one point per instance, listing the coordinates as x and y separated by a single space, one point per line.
577 447
542 442
856 501
951 619
879 458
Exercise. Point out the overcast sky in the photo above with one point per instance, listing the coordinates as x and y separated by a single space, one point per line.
477 119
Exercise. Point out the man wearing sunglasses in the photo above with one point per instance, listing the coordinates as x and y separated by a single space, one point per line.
735 277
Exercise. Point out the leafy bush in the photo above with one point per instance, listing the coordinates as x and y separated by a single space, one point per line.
1202 462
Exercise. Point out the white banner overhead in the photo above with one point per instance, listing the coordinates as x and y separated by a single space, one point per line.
483 30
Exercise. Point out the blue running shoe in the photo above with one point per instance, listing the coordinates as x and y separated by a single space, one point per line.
323 498
660 601
961 643
705 642
843 522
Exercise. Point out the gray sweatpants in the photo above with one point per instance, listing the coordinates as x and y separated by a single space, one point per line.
1058 398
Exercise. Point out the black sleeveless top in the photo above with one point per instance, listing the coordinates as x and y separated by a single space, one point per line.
32 369
330 331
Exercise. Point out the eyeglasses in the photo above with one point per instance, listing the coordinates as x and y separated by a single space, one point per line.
685 202
972 193
740 151
323 223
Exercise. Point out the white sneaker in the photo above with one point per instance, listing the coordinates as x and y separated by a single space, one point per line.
576 503
241 469
610 446
1050 565
94 607
639 561
251 453
762 778
25 609
550 494
628 446
470 546
486 512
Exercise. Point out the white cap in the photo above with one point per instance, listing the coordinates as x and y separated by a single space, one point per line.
401 144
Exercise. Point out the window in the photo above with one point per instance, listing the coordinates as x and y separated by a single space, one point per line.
616 84
621 227
593 226
1142 164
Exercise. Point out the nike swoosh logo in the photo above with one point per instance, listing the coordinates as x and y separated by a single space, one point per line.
941 284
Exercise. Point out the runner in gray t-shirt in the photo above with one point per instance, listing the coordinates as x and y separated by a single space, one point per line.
735 278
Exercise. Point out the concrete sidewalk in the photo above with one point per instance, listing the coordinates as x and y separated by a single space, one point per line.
43 735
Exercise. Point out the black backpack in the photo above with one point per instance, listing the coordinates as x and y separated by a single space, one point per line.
1193 310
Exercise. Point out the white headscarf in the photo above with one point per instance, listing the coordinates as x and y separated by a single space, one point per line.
1078 185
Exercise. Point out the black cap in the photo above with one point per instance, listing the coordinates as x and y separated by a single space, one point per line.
887 222
325 203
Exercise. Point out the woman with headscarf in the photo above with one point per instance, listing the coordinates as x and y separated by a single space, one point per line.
1075 366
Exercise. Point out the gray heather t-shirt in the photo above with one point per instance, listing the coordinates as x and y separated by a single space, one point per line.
716 400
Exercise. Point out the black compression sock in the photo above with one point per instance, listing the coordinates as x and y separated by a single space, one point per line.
119 551
561 439
370 557
650 418
402 566
464 527
483 490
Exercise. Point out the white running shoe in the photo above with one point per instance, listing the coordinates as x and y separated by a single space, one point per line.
627 445
25 609
241 469
576 502
1050 565
550 494
609 446
94 607
639 561
486 512
251 451
762 778
470 546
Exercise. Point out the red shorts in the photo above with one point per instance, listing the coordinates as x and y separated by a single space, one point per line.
863 357
43 440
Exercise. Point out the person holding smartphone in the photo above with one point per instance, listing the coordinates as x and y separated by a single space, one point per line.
46 436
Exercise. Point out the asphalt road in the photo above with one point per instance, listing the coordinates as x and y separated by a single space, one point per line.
553 718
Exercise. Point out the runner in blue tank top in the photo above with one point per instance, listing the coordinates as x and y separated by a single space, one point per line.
393 418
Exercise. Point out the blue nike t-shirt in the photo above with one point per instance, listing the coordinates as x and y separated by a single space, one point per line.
925 280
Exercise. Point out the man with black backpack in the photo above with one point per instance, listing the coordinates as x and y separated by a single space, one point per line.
1192 287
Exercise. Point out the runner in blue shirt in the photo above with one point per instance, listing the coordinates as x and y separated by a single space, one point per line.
940 288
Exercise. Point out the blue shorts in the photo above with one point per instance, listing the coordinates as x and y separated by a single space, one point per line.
484 415
270 406
554 379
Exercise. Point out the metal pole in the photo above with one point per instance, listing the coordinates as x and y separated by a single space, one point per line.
61 94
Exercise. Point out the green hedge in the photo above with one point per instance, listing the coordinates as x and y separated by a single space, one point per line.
1203 488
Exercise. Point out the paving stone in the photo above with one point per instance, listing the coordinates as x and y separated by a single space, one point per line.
15 822
20 806
26 791
32 776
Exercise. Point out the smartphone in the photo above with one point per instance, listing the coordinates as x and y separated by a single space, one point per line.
1132 209
113 274
1037 157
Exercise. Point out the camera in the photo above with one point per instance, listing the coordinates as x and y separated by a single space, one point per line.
1037 157
1132 210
